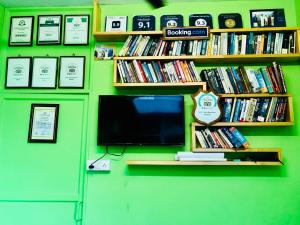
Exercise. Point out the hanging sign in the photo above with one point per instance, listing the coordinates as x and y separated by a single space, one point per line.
183 33
207 108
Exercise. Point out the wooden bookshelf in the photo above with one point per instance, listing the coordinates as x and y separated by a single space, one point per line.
289 113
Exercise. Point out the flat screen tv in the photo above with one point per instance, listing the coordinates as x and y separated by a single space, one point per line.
141 120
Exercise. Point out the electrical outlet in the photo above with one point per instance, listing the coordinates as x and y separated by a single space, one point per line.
101 165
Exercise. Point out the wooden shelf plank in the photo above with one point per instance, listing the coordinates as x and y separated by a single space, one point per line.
221 58
183 163
277 150
255 95
157 85
249 124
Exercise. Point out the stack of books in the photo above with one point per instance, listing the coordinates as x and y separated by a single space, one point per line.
255 109
253 43
157 72
139 45
210 157
269 79
226 138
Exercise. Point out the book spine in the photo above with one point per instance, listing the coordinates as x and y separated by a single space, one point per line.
239 137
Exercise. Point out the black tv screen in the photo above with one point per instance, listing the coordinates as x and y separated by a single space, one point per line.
141 120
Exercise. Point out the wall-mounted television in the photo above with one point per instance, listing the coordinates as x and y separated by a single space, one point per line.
141 120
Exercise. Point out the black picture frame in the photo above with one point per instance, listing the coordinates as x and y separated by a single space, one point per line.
83 75
38 30
55 126
29 76
56 71
10 30
88 31
277 21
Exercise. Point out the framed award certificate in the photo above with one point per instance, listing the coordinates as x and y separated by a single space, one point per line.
43 123
71 74
49 30
18 71
77 29
44 72
21 28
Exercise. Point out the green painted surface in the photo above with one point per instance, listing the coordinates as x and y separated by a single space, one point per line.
42 182
297 8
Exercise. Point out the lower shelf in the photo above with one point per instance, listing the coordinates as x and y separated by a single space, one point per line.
183 163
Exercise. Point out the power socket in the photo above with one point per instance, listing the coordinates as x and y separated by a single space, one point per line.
101 165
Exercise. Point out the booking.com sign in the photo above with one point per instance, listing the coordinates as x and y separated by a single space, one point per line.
177 33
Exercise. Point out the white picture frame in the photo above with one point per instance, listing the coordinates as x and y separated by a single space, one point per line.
116 24
44 72
21 30
49 30
72 72
76 30
18 72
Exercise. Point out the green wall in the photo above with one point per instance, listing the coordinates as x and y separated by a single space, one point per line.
297 8
48 183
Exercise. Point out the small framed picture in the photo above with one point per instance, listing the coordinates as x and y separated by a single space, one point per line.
44 71
116 24
18 71
103 52
49 30
43 123
77 30
267 18
72 71
21 30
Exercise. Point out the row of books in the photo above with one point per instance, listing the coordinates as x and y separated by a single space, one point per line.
255 109
201 156
269 79
157 72
221 138
139 45
253 43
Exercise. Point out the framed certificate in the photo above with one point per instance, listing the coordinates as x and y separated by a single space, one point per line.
43 123
18 70
21 28
77 30
49 30
71 74
44 72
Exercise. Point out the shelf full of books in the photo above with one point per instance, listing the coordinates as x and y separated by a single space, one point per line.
235 46
136 73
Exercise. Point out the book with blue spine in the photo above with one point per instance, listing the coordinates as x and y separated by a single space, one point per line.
238 110
267 80
238 80
261 81
250 44
235 142
227 107
147 72
269 43
232 81
157 71
239 136
262 114
232 43
132 46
